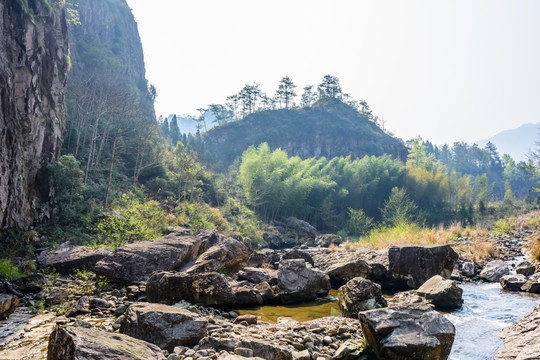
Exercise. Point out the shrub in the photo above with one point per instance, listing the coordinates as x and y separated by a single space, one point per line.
504 226
358 223
8 271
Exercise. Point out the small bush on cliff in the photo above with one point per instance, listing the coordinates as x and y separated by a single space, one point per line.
8 271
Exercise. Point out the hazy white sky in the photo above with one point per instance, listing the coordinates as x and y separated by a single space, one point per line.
454 70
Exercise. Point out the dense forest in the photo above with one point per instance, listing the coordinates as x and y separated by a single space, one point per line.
325 158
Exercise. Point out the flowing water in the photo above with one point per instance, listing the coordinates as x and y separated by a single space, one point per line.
486 310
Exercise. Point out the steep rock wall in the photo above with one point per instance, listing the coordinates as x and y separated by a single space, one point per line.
33 68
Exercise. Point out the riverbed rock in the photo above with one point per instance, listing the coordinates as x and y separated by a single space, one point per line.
325 240
254 275
494 271
408 298
163 325
359 294
444 294
79 343
522 339
82 306
267 258
8 304
524 267
413 265
300 229
135 262
168 287
298 283
513 282
298 254
407 333
245 294
228 256
468 269
533 284
66 259
341 273
261 348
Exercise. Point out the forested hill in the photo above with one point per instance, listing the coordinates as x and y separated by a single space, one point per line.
328 128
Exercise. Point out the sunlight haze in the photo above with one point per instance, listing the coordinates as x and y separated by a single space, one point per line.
446 70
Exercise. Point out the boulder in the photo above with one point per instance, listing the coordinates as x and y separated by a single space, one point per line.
82 306
407 333
494 271
266 292
206 289
264 258
228 256
135 262
65 259
298 283
524 267
79 343
274 240
533 284
513 282
298 254
358 295
254 275
412 265
408 298
468 269
352 350
340 273
163 325
522 339
325 240
444 294
301 229
8 304
246 295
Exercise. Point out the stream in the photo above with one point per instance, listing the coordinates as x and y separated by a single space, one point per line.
486 311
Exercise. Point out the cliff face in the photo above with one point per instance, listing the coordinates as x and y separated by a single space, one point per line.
33 69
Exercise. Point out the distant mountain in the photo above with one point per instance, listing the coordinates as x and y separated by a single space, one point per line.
516 142
329 128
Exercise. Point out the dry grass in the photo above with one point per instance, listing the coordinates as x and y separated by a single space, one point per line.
333 247
479 249
534 246
528 221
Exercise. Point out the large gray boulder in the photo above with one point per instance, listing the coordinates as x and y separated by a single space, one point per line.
325 240
412 265
228 256
298 283
524 267
407 333
79 343
8 304
163 325
533 284
444 294
513 282
206 289
340 273
66 259
135 262
298 254
494 271
358 295
254 275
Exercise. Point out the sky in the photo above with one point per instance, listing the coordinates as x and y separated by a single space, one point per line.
452 70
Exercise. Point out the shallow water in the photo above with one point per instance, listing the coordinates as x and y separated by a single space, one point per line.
486 310
301 312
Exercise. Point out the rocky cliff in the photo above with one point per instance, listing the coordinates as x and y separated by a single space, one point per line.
34 61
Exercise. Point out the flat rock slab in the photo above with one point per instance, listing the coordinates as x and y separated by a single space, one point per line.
163 325
522 340
66 259
78 343
135 262
413 265
407 333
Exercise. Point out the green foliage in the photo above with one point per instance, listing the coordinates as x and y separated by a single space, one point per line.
358 223
399 208
504 226
131 218
8 271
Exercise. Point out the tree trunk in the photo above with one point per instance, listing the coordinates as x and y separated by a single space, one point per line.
111 167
